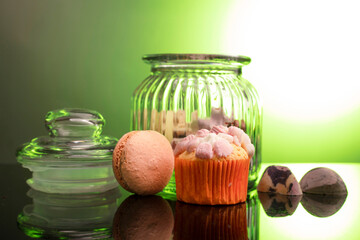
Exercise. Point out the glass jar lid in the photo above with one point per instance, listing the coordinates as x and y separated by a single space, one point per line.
74 139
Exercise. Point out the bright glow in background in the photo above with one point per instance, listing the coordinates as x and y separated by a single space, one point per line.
56 54
308 53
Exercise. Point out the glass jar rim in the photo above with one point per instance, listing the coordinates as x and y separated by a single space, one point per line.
212 59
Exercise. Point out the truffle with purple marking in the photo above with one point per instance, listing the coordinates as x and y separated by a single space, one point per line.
279 179
323 181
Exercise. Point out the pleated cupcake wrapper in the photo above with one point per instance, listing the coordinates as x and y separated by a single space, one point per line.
211 182
210 222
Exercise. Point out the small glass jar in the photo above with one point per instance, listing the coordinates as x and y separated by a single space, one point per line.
74 158
188 92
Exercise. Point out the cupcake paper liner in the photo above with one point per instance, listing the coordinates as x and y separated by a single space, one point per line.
211 182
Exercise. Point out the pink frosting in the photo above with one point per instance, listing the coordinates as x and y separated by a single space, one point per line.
236 141
180 147
235 131
250 149
189 137
183 144
202 133
192 145
222 148
204 151
245 140
219 129
216 141
227 137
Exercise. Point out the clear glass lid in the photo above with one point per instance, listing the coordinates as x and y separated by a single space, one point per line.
74 138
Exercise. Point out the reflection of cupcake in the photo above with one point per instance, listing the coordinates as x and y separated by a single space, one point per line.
143 217
212 167
210 222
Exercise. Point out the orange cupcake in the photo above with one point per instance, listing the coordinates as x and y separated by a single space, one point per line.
212 167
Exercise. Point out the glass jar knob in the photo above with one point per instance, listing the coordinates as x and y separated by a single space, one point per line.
73 122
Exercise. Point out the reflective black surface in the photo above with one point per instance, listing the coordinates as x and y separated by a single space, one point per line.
117 214
12 198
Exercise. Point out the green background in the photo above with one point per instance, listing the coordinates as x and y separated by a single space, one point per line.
87 54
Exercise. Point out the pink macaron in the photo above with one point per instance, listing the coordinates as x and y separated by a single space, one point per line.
143 162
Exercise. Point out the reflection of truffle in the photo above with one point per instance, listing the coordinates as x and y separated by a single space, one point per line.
210 222
143 217
323 181
278 179
277 205
322 205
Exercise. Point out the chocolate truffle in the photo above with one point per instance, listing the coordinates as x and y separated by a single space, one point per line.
323 181
279 179
143 162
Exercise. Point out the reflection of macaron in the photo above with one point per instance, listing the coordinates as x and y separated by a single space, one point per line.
143 217
143 162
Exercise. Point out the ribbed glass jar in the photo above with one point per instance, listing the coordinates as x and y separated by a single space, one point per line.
188 92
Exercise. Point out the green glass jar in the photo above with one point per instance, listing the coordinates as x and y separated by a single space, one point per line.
188 92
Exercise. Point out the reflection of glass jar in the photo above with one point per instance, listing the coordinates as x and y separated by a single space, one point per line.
252 215
69 216
188 92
